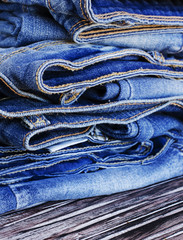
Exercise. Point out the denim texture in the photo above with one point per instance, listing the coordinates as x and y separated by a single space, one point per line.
21 25
147 25
46 69
91 98
132 174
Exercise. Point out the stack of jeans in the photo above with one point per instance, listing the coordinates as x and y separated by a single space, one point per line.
91 97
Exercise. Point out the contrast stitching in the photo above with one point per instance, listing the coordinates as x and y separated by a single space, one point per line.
154 17
90 120
49 5
74 96
39 46
63 151
13 90
86 23
86 35
83 20
36 167
49 140
89 106
81 7
101 77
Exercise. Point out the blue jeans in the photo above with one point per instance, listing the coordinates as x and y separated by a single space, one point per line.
163 163
62 72
21 25
146 25
81 120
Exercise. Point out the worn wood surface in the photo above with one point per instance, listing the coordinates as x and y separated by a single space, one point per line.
154 212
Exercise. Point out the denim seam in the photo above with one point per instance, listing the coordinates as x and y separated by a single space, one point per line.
37 47
29 118
83 20
80 27
72 159
86 35
149 58
86 121
141 16
131 27
49 6
13 90
66 151
150 157
84 11
36 167
70 108
74 96
49 140
101 77
156 155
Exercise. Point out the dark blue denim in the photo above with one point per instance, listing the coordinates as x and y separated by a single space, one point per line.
60 72
35 125
149 25
21 25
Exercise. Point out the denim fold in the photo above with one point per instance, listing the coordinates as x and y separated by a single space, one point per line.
141 24
91 98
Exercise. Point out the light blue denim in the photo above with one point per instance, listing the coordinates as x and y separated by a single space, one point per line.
82 120
149 25
164 162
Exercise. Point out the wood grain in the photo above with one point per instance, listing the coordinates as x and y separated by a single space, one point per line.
154 212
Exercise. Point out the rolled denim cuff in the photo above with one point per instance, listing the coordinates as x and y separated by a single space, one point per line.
53 68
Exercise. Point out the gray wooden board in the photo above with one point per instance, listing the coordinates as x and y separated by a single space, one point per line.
154 212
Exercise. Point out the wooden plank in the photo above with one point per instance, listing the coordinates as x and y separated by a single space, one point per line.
154 212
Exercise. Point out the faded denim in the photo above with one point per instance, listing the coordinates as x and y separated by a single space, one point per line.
81 120
149 25
158 166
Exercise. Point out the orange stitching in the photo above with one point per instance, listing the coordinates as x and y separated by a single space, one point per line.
76 24
81 7
87 15
88 106
90 120
72 98
72 159
106 76
64 150
36 167
26 49
178 105
118 13
87 23
12 88
68 135
49 5
115 31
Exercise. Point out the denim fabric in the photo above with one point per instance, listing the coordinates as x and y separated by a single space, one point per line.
26 129
62 72
21 25
81 120
164 163
149 25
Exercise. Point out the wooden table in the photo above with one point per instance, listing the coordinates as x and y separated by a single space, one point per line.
154 212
